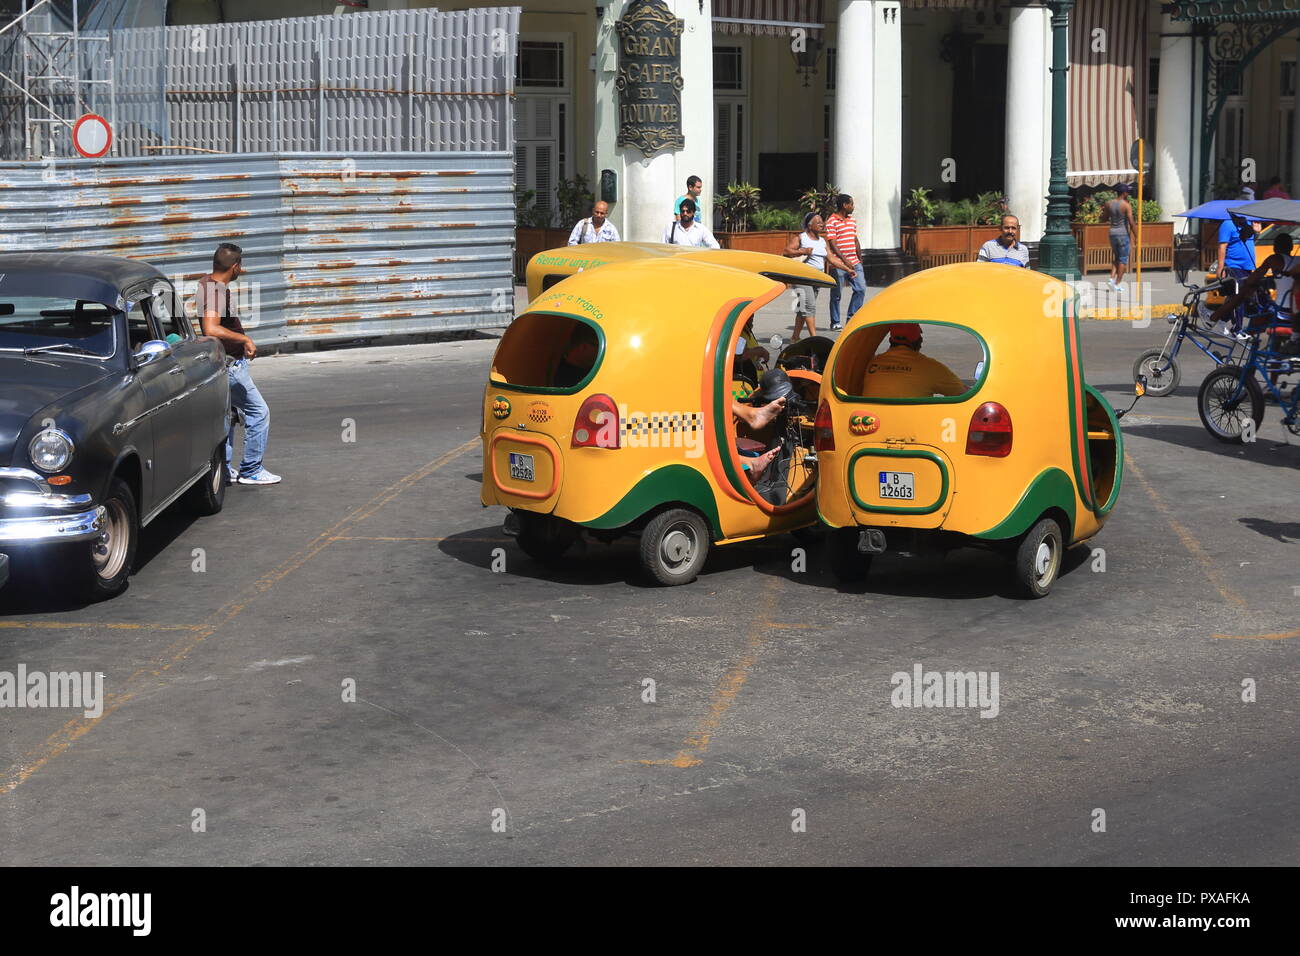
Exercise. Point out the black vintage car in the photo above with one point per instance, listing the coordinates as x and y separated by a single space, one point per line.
111 409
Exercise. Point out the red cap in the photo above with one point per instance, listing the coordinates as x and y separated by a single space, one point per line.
908 332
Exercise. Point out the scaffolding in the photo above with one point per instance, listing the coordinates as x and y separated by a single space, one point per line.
58 72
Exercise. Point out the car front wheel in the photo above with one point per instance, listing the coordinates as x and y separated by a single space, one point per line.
103 564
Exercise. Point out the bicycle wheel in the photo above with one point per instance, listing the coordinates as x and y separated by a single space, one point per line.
1227 397
1161 371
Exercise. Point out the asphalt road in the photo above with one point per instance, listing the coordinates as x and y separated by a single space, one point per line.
517 696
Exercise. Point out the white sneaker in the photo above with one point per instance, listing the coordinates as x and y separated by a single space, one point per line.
263 477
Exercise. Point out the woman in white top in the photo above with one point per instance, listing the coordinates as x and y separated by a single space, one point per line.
810 247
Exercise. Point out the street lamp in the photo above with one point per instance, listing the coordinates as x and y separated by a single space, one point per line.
805 59
1057 253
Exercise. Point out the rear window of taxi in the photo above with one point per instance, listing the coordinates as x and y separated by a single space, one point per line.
548 352
949 367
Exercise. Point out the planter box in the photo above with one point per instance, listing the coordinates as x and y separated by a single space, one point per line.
943 245
1093 240
770 241
530 241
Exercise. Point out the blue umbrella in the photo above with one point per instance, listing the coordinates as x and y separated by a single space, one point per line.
1216 209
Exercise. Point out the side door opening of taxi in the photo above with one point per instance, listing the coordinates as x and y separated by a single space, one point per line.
957 416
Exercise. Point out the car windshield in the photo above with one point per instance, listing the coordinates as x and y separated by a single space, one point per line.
52 324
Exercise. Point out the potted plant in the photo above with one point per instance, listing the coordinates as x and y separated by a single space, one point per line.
820 201
535 229
942 232
747 225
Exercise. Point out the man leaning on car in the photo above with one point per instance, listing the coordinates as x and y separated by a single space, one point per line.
220 320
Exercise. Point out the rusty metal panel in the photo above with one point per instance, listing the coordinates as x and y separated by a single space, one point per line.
336 247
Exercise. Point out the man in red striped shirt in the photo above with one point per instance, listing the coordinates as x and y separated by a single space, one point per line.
842 232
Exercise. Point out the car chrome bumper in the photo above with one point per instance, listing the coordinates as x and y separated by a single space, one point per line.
78 527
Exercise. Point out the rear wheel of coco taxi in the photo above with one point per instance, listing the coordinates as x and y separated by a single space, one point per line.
1038 558
848 564
545 538
674 545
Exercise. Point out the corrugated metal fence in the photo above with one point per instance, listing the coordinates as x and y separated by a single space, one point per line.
335 247
404 80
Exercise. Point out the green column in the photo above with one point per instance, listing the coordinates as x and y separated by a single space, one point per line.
1057 253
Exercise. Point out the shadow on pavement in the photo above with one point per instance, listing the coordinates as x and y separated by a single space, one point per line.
1264 451
1284 532
591 563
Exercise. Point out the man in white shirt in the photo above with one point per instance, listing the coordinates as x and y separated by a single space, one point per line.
685 231
597 228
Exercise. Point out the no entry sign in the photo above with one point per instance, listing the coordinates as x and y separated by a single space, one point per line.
92 136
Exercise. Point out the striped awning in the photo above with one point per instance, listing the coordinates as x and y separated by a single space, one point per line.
950 4
1107 89
768 18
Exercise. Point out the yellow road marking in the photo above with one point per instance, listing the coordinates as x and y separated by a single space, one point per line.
1127 312
1259 637
69 733
361 537
90 625
1187 538
729 687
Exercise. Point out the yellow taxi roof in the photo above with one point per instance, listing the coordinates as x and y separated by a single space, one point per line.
987 297
679 296
570 260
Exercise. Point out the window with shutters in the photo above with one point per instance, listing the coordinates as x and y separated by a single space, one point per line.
728 63
543 111
730 141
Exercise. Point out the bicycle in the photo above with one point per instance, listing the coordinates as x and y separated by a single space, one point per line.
1160 366
1228 388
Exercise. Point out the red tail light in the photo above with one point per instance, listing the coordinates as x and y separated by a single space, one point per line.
990 431
597 424
824 428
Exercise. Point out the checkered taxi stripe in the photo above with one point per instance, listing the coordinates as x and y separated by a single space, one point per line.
662 424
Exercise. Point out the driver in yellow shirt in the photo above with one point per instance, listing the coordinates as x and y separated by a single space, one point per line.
903 372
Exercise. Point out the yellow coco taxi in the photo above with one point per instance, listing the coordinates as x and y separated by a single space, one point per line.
609 406
954 413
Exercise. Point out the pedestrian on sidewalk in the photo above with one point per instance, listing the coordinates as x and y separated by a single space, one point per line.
842 234
1120 213
811 247
694 187
685 231
1007 248
219 319
595 228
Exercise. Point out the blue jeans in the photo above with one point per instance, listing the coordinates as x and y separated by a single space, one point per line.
858 282
257 419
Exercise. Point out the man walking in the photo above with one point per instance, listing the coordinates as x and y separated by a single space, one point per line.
684 231
596 228
1120 213
220 320
842 232
1006 248
694 186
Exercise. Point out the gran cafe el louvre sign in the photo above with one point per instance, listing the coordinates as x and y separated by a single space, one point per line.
649 78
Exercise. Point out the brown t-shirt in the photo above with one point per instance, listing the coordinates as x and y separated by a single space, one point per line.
214 296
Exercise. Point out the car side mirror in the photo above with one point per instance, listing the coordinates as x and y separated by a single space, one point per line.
150 351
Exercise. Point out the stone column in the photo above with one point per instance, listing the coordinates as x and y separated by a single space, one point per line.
1028 146
868 129
1175 121
648 185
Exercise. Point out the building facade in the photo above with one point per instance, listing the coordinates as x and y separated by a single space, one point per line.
882 96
